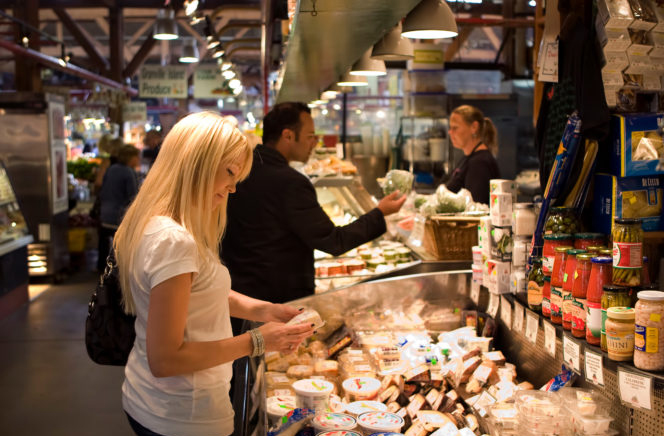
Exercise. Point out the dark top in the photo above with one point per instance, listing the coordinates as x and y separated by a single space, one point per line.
118 189
275 223
473 173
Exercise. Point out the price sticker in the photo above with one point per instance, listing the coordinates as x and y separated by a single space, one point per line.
517 322
635 389
572 354
532 324
475 293
494 303
549 338
594 367
506 312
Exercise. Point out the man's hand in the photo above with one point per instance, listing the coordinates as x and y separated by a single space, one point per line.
392 203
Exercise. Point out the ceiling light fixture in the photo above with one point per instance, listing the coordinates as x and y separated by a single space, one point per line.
189 52
228 74
165 27
225 66
365 66
349 80
190 7
328 95
234 83
431 19
393 47
212 43
219 52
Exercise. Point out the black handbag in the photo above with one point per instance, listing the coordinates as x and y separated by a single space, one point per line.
109 332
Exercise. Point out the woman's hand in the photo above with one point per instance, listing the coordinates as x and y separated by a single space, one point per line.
284 338
279 313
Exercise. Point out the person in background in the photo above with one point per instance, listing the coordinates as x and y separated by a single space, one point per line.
152 143
475 135
275 221
118 189
178 372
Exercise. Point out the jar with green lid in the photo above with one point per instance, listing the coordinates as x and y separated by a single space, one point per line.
585 240
562 220
613 296
627 235
620 333
535 286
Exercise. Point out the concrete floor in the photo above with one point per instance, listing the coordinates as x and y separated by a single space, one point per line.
48 385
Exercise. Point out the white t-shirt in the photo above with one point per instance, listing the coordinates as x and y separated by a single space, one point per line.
195 404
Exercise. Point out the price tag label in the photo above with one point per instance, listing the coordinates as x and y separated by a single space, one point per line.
532 325
572 354
594 368
475 293
549 338
517 323
494 302
635 389
506 312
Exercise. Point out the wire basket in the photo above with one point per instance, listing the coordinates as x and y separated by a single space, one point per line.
450 237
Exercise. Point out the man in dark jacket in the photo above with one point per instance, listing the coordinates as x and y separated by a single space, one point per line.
275 221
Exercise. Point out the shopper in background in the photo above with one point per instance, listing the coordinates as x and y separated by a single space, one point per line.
178 373
275 221
152 143
117 191
475 135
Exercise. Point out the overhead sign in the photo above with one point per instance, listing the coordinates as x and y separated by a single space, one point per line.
208 82
135 111
163 81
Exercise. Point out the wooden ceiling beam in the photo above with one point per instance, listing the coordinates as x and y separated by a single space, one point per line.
82 39
140 56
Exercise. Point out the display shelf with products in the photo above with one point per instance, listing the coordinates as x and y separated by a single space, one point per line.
13 229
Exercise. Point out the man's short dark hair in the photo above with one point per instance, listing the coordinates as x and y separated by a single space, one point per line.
283 116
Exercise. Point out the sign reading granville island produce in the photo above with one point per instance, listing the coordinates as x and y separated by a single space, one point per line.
163 81
208 82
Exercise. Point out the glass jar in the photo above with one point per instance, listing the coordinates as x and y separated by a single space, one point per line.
627 236
612 296
535 285
551 242
585 240
595 249
605 252
546 297
557 275
649 331
600 275
568 283
524 219
521 251
562 220
581 275
518 284
579 308
620 333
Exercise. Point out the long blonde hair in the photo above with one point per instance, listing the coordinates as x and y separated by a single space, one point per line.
487 130
180 185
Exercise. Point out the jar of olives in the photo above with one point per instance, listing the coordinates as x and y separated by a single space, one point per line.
562 220
535 285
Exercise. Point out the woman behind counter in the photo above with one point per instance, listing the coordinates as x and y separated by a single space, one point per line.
476 136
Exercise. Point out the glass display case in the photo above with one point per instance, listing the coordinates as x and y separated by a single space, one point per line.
13 229
425 149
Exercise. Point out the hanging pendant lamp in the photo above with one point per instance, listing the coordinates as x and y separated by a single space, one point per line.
366 66
165 27
393 47
350 80
189 52
431 19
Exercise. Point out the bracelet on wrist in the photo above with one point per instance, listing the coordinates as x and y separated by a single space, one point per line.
258 343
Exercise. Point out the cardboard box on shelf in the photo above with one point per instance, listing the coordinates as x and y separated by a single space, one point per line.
502 243
637 144
612 39
627 197
500 209
615 61
499 274
615 14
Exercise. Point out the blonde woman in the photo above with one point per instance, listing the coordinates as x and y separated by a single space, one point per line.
178 373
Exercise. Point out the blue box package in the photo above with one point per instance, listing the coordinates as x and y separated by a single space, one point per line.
637 144
628 197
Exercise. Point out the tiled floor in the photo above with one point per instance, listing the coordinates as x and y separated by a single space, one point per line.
48 385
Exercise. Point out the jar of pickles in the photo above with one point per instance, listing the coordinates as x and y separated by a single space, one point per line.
627 238
535 285
579 288
649 331
568 283
600 275
557 276
546 297
562 220
551 242
612 296
585 240
620 333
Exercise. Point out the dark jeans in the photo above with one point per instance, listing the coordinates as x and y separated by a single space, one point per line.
105 238
139 429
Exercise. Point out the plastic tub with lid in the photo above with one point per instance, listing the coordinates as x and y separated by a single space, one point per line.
376 422
313 394
361 388
279 406
333 421
537 405
339 433
590 425
585 402
357 408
